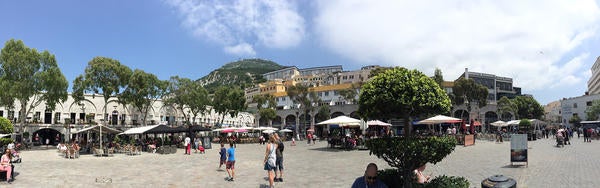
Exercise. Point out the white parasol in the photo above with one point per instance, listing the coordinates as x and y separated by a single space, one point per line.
439 119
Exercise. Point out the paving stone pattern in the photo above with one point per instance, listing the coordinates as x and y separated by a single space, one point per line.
575 165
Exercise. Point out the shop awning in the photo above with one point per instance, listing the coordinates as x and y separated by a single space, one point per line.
139 130
96 128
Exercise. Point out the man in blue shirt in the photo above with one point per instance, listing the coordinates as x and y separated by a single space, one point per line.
230 165
369 180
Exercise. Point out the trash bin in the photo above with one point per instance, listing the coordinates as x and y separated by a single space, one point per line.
498 181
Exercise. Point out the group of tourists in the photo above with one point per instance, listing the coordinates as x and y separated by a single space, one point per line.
273 161
70 151
588 134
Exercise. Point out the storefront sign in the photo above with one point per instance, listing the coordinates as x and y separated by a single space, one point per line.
518 148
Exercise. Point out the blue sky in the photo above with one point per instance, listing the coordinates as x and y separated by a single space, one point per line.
547 48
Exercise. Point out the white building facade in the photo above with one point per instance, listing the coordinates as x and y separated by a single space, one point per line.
576 106
90 111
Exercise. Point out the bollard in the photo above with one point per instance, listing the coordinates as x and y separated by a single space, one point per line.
498 181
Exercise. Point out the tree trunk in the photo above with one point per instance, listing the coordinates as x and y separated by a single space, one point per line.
312 121
222 119
298 125
22 116
194 119
106 116
144 119
407 126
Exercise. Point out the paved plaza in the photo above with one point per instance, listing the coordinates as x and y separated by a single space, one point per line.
306 166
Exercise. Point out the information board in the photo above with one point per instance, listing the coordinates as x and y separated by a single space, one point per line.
518 148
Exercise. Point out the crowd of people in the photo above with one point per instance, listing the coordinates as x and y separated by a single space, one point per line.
273 160
70 151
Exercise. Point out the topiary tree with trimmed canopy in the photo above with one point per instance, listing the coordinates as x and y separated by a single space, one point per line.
403 93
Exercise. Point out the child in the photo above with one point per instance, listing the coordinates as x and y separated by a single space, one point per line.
223 153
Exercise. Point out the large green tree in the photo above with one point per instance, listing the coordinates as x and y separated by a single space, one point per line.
189 97
323 113
30 78
142 91
103 76
506 106
528 107
438 77
402 93
349 94
266 106
228 101
467 92
575 120
593 111
307 102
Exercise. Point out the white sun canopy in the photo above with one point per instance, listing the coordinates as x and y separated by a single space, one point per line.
139 130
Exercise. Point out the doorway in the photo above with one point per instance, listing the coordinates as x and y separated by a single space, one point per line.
48 117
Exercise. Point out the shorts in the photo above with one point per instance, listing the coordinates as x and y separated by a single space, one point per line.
223 161
269 167
230 165
279 163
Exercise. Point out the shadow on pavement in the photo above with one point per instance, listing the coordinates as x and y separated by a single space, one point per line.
328 149
514 166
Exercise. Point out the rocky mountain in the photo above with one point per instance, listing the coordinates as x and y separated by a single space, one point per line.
244 73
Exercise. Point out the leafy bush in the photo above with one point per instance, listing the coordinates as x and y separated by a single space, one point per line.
409 153
6 126
5 141
391 177
524 125
448 181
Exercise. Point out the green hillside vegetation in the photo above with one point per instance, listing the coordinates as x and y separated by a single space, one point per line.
243 73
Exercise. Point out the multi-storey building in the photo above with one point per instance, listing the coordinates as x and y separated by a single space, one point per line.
594 81
326 82
44 121
552 112
497 86
576 106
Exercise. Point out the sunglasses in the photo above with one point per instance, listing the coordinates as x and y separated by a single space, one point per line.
371 177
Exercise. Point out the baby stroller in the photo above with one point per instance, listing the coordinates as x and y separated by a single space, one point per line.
560 140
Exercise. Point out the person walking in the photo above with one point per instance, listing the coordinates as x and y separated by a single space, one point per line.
196 140
279 159
186 143
223 153
230 165
270 159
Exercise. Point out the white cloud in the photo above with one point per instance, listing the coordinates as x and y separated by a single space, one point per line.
240 25
526 40
241 49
